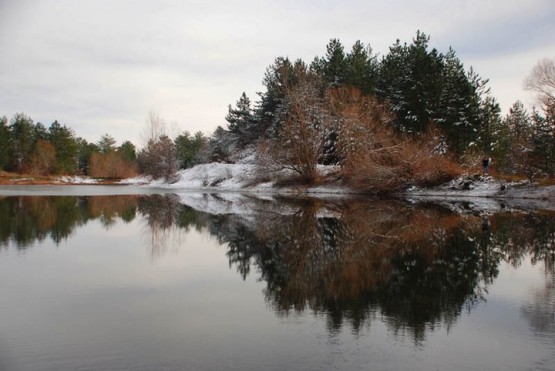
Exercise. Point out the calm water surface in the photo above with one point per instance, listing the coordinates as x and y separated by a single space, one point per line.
145 282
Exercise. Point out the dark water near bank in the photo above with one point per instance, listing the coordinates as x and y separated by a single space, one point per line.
144 282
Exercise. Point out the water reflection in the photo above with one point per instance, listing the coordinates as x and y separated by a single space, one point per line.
540 311
415 268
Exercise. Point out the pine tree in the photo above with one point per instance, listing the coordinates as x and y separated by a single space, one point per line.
63 140
189 147
490 123
22 140
127 152
84 153
544 142
219 145
393 80
361 68
518 121
455 114
106 143
424 86
4 143
514 140
41 133
335 64
241 121
279 79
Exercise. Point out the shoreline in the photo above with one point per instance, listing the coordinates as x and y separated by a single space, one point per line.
200 180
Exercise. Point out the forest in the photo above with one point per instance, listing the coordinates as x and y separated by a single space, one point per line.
414 116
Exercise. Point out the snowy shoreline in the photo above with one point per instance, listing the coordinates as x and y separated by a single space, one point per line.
240 183
247 178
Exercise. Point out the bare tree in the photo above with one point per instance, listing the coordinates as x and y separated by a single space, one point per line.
303 125
542 81
159 157
154 129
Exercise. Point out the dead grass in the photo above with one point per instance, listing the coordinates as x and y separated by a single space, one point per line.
7 178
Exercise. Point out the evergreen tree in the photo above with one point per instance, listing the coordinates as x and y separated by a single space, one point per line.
490 124
22 140
219 145
514 140
188 148
424 86
280 78
41 133
127 152
518 121
543 156
67 150
106 144
335 64
393 80
421 87
456 115
240 121
4 143
361 68
84 152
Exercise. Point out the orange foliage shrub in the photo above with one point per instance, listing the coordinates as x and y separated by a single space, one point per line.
111 165
376 158
43 160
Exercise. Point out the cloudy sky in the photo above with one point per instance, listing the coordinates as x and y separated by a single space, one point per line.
101 66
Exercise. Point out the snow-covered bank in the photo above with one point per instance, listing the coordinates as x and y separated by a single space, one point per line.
76 180
486 194
247 178
479 186
250 178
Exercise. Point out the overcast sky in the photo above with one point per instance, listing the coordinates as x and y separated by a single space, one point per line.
101 66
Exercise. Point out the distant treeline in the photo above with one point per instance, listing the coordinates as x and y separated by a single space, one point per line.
413 115
32 148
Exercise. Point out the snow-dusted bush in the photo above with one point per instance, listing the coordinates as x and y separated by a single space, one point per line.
375 157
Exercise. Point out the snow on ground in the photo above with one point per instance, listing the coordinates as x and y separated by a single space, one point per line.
138 180
77 180
244 188
244 177
216 175
486 195
465 186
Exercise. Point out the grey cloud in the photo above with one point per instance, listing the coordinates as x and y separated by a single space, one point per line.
101 66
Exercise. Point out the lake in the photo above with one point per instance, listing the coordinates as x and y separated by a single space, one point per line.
139 280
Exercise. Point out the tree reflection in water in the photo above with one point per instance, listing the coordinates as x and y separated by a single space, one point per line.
414 267
26 219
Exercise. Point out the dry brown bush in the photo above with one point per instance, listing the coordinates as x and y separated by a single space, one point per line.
111 166
376 158
373 156
43 160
